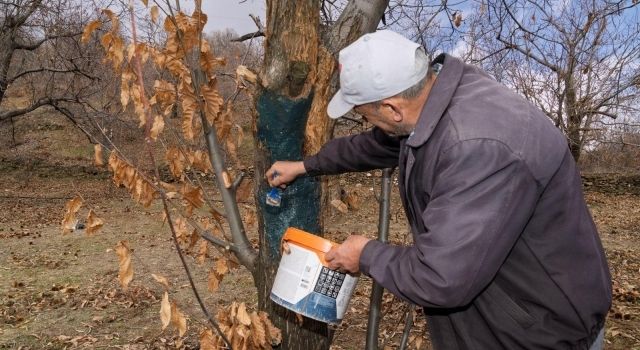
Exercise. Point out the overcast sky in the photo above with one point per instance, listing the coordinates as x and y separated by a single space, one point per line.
233 14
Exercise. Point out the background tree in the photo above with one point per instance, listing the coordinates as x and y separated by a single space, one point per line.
43 63
576 60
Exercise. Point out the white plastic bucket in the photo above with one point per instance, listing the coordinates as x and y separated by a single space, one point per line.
305 284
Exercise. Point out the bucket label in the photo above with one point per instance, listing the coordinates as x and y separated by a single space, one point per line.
303 284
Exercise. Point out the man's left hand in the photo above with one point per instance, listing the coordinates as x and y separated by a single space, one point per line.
346 256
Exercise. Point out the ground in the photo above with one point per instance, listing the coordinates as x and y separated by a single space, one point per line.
61 291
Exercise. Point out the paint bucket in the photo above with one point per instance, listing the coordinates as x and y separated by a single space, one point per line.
305 284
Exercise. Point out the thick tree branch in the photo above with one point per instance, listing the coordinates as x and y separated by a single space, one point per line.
50 70
46 101
30 47
258 33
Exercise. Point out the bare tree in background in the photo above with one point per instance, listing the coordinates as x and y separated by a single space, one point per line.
577 60
43 64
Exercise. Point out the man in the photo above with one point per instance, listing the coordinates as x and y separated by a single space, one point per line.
505 254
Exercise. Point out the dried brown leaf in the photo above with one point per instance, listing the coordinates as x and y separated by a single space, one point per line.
161 279
242 316
208 341
457 19
94 223
176 161
178 320
154 14
158 126
246 75
165 311
98 157
222 267
213 281
69 220
258 332
275 335
340 205
193 195
89 29
125 274
203 251
201 161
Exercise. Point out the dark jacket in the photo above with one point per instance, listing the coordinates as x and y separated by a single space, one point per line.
506 254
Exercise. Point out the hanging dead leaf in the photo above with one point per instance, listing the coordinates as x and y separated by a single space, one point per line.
125 275
165 311
457 19
246 75
201 161
242 316
222 267
213 281
258 332
176 161
154 14
193 239
98 157
178 320
183 230
69 220
208 341
89 29
94 223
161 279
340 205
158 126
202 252
213 102
193 195
250 218
275 335
352 199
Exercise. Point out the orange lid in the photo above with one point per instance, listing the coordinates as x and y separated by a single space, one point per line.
307 239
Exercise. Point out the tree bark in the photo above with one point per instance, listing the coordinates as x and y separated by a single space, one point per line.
296 81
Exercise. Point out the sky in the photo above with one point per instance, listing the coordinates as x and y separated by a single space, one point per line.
233 14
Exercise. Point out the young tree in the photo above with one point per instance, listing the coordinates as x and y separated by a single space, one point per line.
576 60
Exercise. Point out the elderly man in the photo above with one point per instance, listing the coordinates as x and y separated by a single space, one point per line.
505 253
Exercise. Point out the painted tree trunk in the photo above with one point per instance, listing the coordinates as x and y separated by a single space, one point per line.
296 82
282 108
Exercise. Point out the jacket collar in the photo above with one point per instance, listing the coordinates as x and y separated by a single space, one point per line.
438 100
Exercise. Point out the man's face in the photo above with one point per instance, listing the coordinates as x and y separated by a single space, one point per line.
383 118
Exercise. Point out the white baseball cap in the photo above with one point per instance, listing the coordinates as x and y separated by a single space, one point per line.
374 67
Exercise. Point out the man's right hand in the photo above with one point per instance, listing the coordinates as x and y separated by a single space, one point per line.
283 172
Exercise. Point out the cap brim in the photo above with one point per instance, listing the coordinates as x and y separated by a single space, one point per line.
338 106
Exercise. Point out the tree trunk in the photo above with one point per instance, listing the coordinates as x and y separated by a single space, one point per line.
297 80
282 107
574 119
6 53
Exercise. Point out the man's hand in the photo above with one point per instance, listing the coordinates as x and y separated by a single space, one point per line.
283 172
346 257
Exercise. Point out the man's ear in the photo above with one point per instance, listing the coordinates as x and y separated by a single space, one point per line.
392 105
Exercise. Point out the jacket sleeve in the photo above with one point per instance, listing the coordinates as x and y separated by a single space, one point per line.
482 198
372 149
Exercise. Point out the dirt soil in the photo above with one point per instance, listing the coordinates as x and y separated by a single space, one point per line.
61 291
